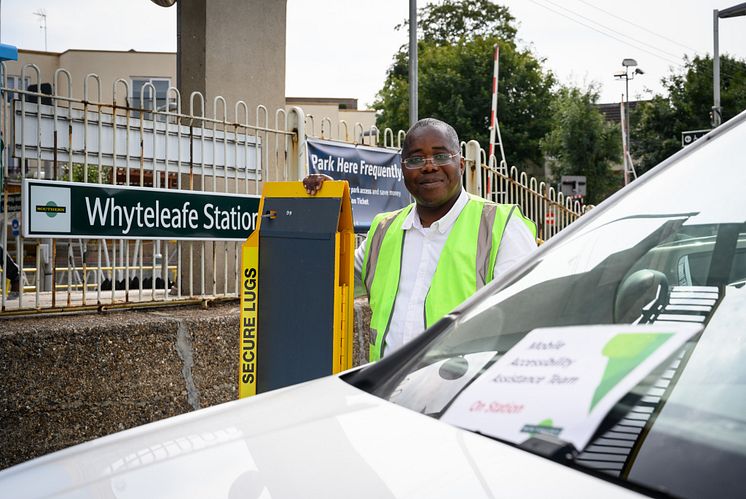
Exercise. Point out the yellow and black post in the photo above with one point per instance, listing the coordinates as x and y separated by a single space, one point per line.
297 287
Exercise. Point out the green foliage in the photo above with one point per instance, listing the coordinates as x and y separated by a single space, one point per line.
92 174
454 21
658 123
455 56
581 142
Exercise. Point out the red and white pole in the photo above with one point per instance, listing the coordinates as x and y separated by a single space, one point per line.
493 120
493 113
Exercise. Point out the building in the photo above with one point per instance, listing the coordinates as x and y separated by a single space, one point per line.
120 76
612 111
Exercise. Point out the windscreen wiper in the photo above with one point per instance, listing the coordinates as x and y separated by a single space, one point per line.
562 452
565 453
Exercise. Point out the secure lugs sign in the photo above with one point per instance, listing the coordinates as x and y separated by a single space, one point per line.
66 209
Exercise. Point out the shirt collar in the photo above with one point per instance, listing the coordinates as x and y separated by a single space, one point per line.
444 224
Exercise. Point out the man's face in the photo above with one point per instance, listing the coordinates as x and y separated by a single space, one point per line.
432 186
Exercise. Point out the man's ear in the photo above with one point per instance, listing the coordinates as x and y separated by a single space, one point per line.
462 165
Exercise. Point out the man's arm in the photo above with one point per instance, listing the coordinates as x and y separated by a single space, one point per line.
516 243
359 257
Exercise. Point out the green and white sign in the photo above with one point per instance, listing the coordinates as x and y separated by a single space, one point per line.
65 209
563 381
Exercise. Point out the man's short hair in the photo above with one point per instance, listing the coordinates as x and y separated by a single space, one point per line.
453 143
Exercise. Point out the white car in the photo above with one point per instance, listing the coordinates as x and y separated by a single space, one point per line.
664 259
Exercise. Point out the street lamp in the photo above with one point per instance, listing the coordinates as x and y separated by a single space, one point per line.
735 11
413 96
627 63
626 75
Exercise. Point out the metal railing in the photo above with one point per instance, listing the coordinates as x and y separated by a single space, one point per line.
57 136
551 210
122 143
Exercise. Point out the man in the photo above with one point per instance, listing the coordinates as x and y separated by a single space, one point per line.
420 262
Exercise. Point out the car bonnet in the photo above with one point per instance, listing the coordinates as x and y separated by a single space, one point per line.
323 438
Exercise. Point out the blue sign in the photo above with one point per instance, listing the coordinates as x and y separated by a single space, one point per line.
15 226
374 175
8 52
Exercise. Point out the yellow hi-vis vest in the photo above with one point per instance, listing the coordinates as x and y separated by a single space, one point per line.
465 265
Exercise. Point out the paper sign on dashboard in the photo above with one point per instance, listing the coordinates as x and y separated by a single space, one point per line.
563 381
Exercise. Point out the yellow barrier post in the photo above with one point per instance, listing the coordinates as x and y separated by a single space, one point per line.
297 287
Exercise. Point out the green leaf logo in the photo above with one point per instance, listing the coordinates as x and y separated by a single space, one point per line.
625 352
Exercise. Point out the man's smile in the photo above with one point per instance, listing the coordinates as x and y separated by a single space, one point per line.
430 180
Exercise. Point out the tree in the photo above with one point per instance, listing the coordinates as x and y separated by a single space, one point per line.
658 123
455 56
581 142
453 20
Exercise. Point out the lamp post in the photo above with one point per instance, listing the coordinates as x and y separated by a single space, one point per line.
735 11
413 111
627 63
626 75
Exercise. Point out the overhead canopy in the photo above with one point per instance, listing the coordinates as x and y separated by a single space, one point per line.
8 52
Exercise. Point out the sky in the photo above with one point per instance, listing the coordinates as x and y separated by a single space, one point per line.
342 48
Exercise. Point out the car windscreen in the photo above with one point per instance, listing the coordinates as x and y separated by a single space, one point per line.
669 251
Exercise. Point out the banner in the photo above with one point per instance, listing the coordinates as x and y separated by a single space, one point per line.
374 175
67 209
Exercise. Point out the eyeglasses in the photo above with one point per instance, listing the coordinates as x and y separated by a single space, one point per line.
417 162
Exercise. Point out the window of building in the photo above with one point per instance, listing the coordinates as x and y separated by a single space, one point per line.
161 92
17 82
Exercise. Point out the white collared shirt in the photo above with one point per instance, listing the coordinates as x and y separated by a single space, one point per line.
420 254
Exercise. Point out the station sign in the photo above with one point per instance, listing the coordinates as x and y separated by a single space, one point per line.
98 211
688 138
573 185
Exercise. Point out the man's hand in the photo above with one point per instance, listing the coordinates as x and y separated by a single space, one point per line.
313 182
